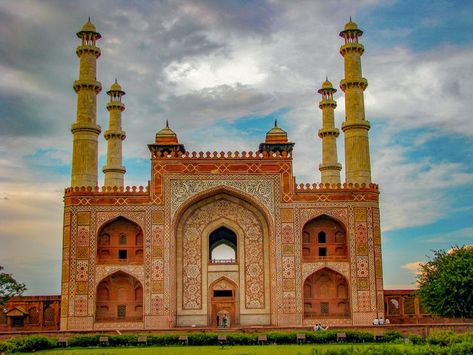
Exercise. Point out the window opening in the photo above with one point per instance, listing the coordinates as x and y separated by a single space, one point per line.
121 311
322 251
322 237
122 254
324 308
223 293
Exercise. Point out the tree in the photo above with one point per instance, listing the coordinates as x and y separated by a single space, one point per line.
446 283
9 287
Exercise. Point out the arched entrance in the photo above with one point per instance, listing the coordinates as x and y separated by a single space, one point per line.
222 236
223 303
326 295
119 299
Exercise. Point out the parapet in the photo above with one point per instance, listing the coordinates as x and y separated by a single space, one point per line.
319 187
222 155
105 190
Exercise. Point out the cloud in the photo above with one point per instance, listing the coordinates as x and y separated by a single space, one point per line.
413 267
465 234
207 66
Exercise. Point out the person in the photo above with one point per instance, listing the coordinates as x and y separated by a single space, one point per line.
218 320
376 321
381 321
387 321
225 321
319 326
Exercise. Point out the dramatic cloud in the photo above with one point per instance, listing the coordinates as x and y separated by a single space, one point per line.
221 72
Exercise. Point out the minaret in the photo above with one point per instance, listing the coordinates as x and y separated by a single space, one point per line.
355 127
330 167
85 130
114 171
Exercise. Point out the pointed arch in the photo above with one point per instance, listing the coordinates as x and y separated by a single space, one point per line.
119 298
326 295
120 240
324 238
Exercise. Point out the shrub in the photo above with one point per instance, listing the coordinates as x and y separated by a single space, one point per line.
443 338
164 339
31 343
321 337
416 339
118 340
6 347
354 336
461 349
243 339
282 337
392 336
203 339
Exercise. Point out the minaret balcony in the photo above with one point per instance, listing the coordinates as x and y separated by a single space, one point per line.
86 127
115 105
114 134
352 47
88 49
356 125
353 83
330 166
327 103
324 132
87 84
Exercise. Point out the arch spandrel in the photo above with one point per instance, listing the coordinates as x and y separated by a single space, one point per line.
104 271
342 268
340 215
104 218
264 206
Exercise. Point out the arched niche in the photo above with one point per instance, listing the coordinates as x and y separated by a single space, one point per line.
326 295
120 241
223 246
119 298
324 238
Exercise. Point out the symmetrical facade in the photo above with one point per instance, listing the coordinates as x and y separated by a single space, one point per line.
220 238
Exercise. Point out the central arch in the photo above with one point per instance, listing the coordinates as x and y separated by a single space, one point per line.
222 219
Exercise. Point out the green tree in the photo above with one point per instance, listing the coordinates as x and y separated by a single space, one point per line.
9 287
446 283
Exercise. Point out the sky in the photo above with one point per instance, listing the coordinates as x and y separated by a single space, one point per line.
221 72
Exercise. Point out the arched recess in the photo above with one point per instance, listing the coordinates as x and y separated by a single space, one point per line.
194 226
120 241
326 295
223 305
324 238
223 246
119 298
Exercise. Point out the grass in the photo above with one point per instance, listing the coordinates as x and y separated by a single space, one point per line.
226 350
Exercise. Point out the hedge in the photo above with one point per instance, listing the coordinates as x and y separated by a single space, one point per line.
445 342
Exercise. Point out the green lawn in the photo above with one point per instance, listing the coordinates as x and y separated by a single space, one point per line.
226 350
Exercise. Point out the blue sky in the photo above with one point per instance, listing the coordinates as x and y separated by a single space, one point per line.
221 72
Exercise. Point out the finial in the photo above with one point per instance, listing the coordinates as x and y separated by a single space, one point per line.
89 19
116 81
350 19
167 124
275 123
326 77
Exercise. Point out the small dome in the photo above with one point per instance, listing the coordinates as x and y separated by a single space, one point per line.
350 26
115 86
88 27
166 136
276 135
327 84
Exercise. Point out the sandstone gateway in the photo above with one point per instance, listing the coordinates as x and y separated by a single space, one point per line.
151 257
